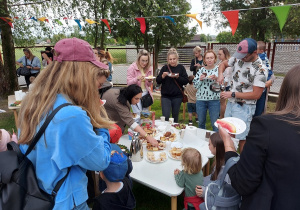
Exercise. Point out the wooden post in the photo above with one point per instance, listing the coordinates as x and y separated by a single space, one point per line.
173 203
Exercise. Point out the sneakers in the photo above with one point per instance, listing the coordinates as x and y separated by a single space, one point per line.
190 122
197 121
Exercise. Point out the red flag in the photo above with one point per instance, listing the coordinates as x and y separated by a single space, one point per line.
8 22
47 20
142 23
107 24
233 19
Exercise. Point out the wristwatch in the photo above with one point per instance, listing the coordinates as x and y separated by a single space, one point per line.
233 94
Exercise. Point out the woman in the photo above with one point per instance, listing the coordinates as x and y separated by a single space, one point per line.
267 174
106 57
33 63
172 85
138 73
73 77
118 108
197 62
224 55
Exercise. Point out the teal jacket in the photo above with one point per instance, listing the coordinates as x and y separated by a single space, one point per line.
69 141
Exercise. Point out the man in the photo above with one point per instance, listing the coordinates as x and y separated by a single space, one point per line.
247 84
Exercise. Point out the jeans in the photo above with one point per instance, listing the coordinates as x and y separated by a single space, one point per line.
260 104
171 103
213 106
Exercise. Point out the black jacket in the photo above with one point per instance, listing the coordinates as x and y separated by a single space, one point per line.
122 200
268 173
169 87
193 67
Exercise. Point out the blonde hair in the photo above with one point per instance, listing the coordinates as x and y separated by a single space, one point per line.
77 80
29 52
105 54
172 51
209 51
141 53
191 161
197 49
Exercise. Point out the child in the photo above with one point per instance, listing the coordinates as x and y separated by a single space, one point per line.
197 62
216 146
31 79
118 194
190 177
206 98
190 91
260 104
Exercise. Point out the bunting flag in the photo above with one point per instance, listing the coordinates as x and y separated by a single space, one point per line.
233 19
170 18
142 23
42 19
90 21
58 22
47 20
282 13
7 20
78 23
107 24
194 17
33 18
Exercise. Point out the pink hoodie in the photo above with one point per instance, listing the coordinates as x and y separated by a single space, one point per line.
133 73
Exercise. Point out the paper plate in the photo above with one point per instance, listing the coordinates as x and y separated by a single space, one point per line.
156 156
174 158
239 124
149 77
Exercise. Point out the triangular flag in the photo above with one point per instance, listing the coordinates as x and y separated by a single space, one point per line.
107 24
33 18
47 20
42 19
16 17
90 21
65 18
7 18
126 21
233 19
281 13
194 17
142 23
8 22
170 18
58 21
78 22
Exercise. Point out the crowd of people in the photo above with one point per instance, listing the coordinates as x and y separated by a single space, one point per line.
265 176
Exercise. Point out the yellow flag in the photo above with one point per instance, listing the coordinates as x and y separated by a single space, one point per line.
42 19
90 21
194 17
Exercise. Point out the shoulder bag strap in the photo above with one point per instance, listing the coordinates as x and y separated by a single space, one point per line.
25 61
37 137
59 183
230 162
175 80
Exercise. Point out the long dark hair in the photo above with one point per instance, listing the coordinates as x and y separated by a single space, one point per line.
127 93
219 161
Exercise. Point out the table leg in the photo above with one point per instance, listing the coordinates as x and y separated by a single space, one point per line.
174 203
16 117
183 111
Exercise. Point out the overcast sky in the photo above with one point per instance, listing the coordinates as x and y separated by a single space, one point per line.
197 8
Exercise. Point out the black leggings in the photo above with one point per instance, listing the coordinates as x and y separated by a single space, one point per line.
27 78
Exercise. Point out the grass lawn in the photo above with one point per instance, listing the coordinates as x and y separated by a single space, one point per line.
147 199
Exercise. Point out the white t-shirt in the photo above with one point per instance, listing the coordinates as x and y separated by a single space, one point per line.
245 75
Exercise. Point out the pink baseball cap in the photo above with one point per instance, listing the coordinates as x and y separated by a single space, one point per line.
74 49
246 46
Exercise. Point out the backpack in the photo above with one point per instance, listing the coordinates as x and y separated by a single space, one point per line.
219 195
19 189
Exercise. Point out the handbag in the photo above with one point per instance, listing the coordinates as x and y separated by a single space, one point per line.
146 100
24 71
19 189
184 97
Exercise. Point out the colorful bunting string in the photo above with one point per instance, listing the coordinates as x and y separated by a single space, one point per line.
142 23
281 14
233 19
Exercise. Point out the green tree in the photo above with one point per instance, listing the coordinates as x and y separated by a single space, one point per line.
259 24
203 38
160 32
226 37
